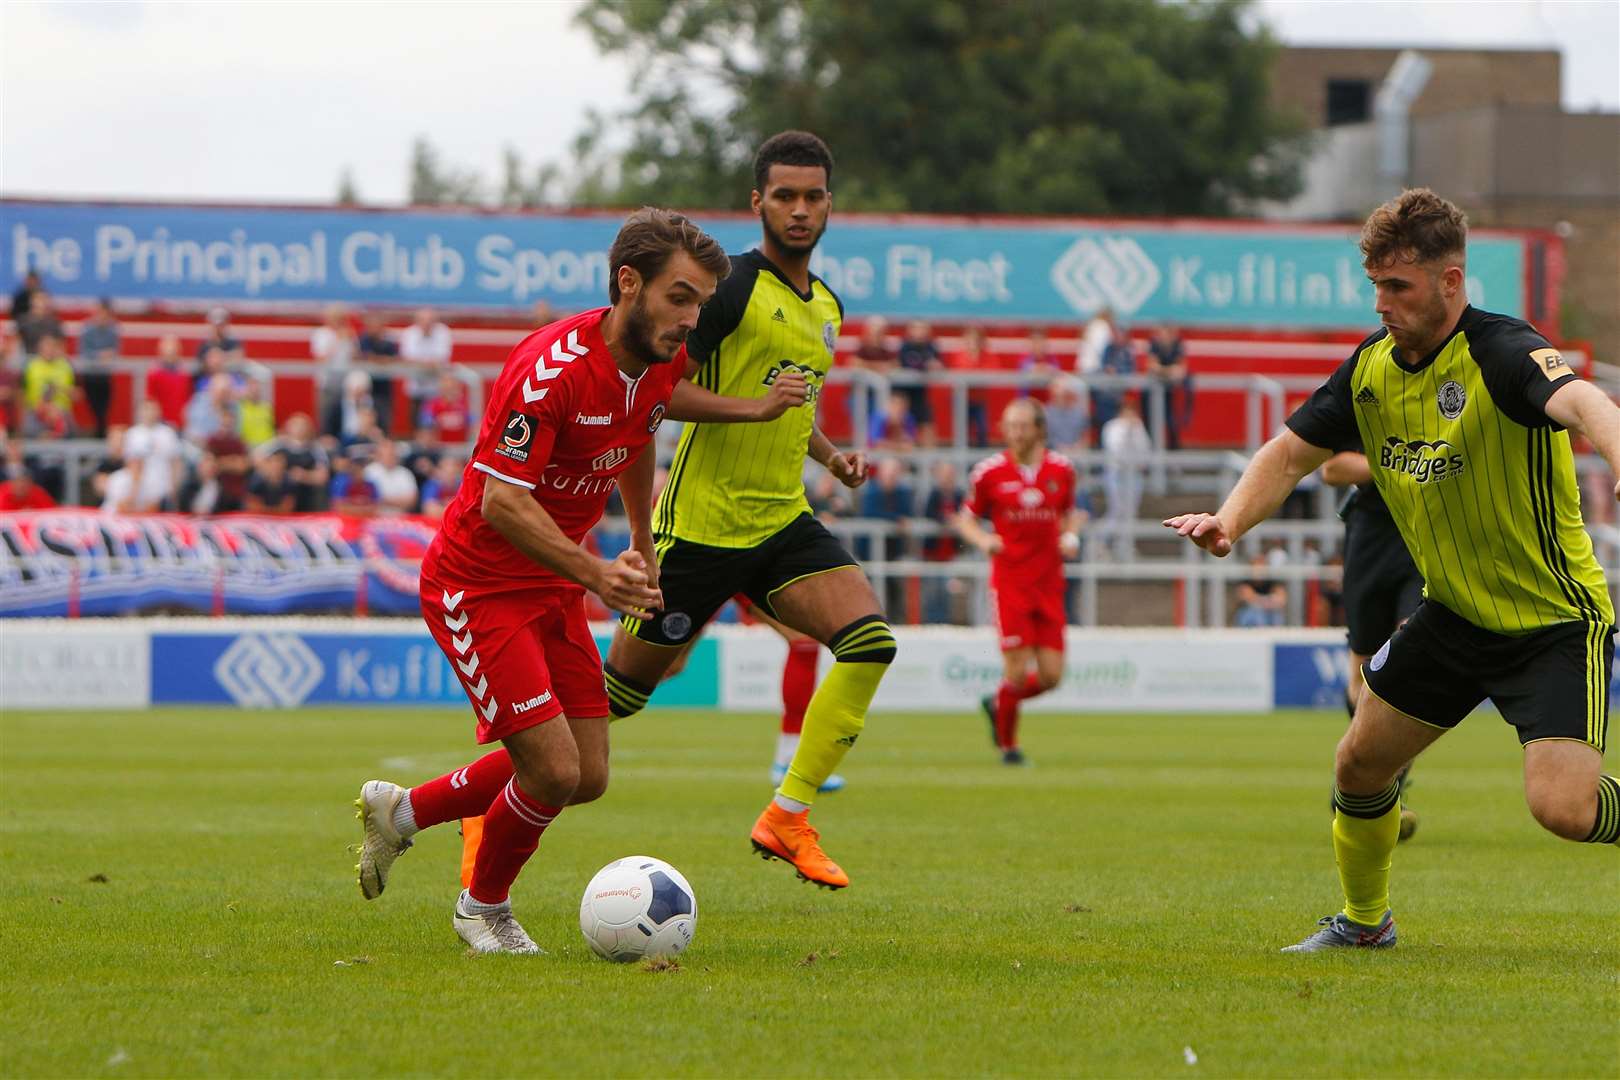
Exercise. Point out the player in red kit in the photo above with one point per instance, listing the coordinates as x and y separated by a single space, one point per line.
1028 493
503 584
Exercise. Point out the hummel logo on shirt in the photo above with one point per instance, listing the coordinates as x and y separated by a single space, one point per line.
779 317
600 420
1366 396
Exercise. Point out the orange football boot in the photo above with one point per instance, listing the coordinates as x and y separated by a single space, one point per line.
779 834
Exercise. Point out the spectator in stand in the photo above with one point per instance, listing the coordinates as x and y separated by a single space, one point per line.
334 347
19 492
155 459
422 455
1039 361
363 443
351 492
887 497
1118 358
893 427
920 356
213 404
356 409
10 389
1126 448
51 417
255 417
200 492
23 298
221 337
230 456
98 345
1096 337
308 466
872 355
543 314
446 411
269 489
396 485
112 461
216 363
974 355
1261 599
1167 365
48 368
377 347
169 383
944 500
828 498
40 322
1068 419
425 347
441 487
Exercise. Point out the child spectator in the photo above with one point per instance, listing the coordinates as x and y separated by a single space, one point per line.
255 417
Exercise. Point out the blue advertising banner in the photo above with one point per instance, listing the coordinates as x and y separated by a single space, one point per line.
274 668
1191 272
1310 676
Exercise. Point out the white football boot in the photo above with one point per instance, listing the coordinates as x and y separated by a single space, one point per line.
382 844
493 931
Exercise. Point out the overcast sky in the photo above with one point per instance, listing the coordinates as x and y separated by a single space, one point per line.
271 101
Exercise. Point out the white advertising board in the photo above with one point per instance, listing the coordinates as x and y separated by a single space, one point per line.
87 666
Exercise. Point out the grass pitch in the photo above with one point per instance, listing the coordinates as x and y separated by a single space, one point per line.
181 903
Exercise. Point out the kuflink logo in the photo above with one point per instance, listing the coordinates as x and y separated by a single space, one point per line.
1106 272
266 670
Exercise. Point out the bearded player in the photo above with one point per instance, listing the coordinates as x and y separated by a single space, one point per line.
733 516
503 584
1028 494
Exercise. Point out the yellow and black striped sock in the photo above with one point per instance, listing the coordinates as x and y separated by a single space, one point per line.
833 721
626 697
1606 827
1365 830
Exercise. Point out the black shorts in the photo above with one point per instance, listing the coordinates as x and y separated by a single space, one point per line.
1549 684
1382 585
697 579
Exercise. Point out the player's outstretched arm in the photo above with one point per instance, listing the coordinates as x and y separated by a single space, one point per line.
1585 409
691 403
967 525
622 584
1275 471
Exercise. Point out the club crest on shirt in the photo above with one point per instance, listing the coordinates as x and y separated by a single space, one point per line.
655 417
1451 399
829 336
516 437
1030 497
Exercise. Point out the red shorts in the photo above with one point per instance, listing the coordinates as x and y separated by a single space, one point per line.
523 655
1029 617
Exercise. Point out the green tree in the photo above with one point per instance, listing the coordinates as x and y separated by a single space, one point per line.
347 193
434 183
961 106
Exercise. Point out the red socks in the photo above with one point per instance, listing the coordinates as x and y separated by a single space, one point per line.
798 682
512 828
1007 698
466 792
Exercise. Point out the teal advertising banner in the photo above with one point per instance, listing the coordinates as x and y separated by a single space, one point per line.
1194 273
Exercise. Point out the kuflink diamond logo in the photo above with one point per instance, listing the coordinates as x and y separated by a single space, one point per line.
264 671
1110 271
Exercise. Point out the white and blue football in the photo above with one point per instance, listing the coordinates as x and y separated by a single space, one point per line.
638 907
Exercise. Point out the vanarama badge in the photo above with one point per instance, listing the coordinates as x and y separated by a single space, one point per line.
1452 398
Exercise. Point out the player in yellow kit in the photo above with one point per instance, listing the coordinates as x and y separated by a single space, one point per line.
1463 415
733 517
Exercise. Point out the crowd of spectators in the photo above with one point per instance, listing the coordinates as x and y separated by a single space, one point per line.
204 437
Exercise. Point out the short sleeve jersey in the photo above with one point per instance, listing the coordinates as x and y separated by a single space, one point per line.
733 485
1026 505
1479 480
563 422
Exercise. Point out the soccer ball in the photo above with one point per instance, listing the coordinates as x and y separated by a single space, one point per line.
636 907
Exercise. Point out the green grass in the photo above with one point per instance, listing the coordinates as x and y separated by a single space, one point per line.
1121 900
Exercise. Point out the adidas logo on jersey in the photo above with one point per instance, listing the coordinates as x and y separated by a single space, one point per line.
1366 396
779 317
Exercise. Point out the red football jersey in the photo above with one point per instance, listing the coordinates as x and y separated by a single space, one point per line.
1026 504
564 422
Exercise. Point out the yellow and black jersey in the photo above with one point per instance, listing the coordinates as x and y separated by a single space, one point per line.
1480 481
733 485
